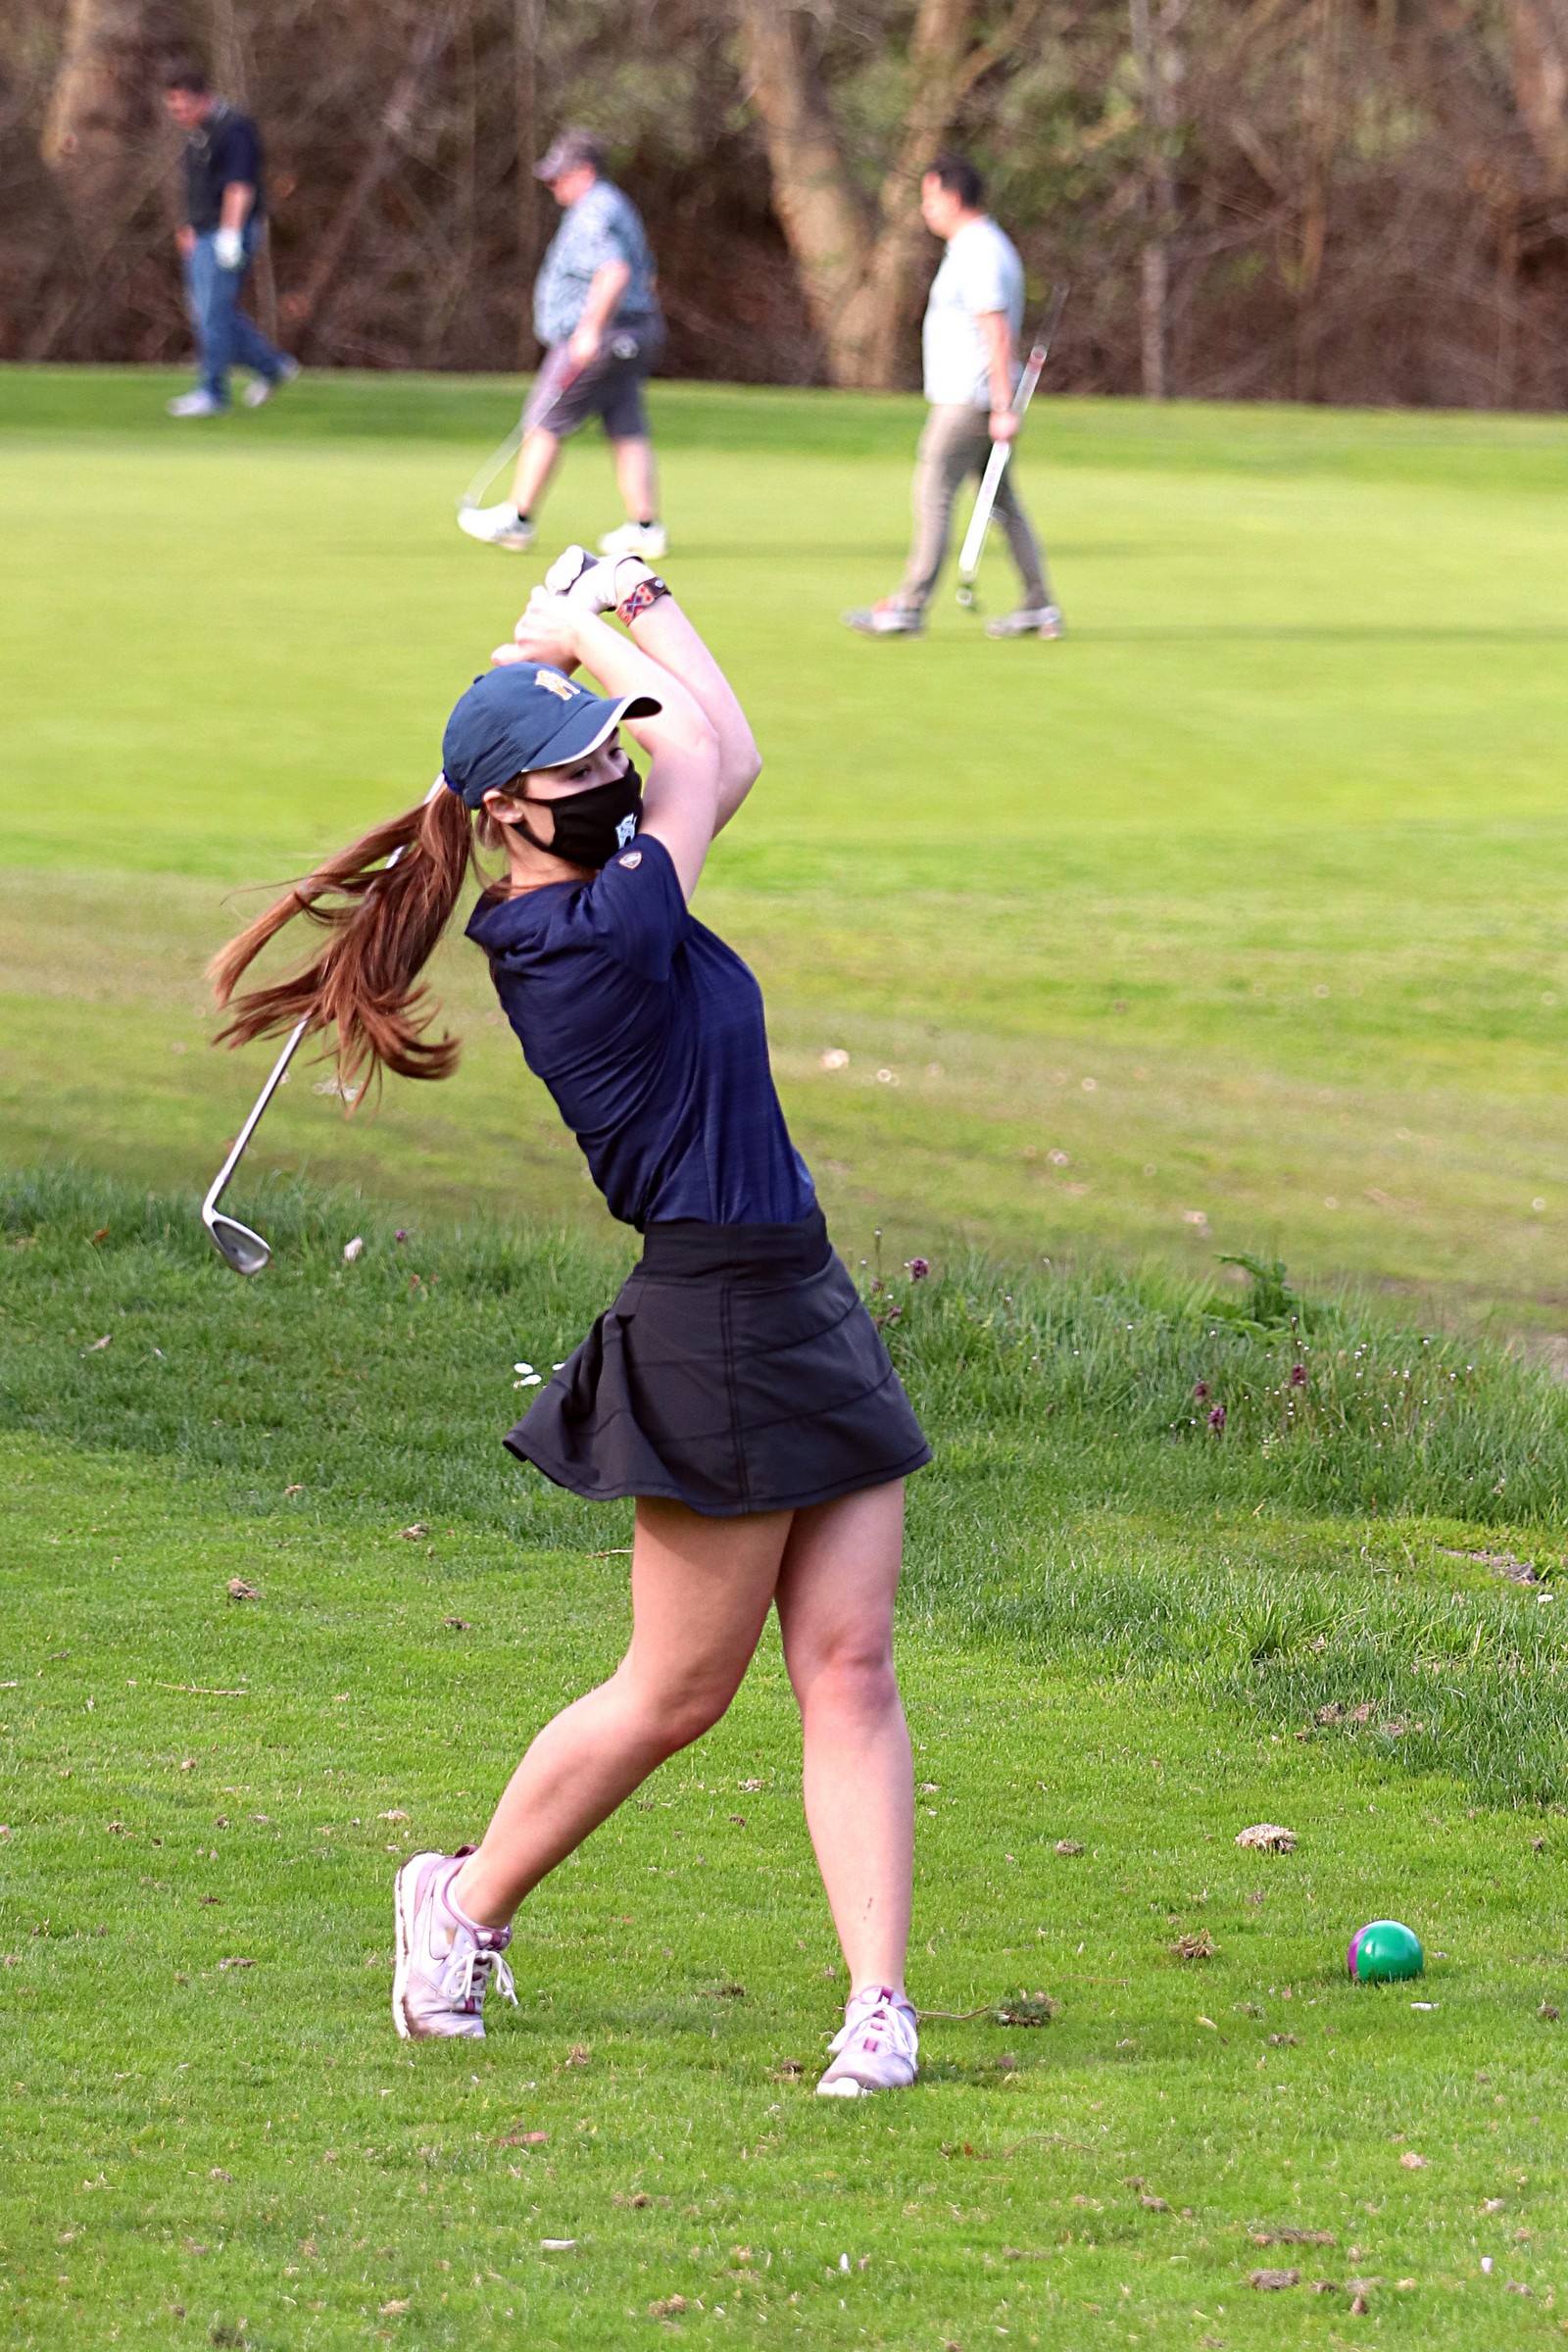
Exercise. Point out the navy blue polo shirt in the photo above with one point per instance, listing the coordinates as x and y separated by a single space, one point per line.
227 147
649 1033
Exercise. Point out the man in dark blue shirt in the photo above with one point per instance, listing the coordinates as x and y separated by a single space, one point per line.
225 209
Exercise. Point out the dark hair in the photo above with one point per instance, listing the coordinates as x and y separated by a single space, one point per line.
187 76
960 177
383 924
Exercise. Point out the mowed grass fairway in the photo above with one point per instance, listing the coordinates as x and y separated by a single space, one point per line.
1231 922
1243 900
1125 1640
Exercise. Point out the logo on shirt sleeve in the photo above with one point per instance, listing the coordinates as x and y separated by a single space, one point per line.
633 861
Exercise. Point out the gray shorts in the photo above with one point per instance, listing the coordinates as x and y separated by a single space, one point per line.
565 396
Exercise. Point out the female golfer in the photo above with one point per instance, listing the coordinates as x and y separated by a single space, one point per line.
737 1387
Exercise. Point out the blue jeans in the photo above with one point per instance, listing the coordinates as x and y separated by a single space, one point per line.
224 337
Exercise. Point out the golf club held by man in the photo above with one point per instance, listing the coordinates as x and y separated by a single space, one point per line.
597 313
969 345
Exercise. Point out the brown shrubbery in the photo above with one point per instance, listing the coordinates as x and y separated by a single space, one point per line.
1347 200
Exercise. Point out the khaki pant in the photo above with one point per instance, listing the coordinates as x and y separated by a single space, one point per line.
955 442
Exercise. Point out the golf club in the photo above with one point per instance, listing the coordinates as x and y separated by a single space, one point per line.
499 458
247 1252
548 386
974 540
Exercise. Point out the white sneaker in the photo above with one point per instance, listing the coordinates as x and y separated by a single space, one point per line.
1040 621
876 2048
650 540
258 391
199 403
497 526
444 1961
887 619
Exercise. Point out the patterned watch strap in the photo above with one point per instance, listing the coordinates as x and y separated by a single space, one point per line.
647 592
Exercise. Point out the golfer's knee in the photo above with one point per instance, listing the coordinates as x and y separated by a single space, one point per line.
672 1717
853 1677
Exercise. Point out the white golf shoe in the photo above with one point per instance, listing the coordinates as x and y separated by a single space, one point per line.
886 620
1041 620
876 2048
258 391
650 540
445 1963
497 526
197 403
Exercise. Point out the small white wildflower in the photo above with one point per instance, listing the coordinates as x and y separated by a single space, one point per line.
887 1078
353 1249
835 1058
522 1367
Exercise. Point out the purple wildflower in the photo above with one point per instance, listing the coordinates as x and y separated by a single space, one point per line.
1216 1417
1199 1391
1298 1375
401 1234
919 1268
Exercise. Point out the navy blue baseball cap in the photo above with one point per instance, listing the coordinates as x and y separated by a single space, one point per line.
525 715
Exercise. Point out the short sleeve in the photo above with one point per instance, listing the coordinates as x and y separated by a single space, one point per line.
985 279
240 158
634 908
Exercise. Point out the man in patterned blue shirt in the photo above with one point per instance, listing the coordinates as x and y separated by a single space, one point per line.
595 311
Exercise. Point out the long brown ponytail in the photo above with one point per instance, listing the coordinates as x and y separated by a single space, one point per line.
383 924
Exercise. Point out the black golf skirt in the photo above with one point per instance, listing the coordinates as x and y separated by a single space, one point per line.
737 1371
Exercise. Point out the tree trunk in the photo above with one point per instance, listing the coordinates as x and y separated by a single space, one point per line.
819 209
1538 53
1160 73
104 109
1321 109
859 265
527 28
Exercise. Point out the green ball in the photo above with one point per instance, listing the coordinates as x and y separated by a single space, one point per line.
1383 1951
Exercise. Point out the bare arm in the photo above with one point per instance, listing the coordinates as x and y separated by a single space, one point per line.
1001 368
682 791
664 632
235 204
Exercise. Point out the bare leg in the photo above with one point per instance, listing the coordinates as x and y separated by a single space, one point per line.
637 478
536 463
836 1591
701 1590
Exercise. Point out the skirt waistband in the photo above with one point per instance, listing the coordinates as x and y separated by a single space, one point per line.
684 1247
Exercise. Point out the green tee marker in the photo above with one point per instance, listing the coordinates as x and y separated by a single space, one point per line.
1383 1951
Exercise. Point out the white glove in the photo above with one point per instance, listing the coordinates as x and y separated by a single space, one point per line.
597 583
228 248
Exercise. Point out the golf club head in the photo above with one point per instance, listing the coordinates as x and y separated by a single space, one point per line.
244 1251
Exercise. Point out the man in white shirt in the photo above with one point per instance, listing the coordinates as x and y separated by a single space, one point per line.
969 344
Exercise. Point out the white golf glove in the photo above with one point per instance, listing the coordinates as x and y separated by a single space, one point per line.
228 248
596 582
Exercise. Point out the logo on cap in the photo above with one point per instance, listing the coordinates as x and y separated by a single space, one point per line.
556 684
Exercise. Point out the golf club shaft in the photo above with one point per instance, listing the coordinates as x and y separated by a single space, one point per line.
279 1071
237 1148
974 539
502 455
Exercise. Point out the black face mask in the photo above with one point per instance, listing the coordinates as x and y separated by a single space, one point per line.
592 825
